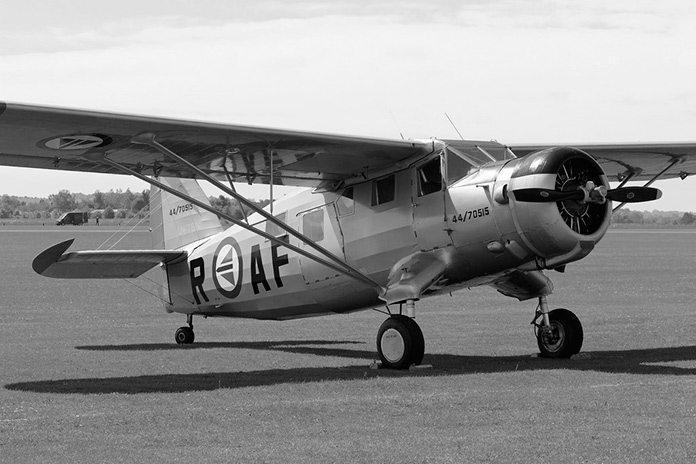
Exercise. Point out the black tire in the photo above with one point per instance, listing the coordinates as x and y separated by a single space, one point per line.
184 335
565 338
400 343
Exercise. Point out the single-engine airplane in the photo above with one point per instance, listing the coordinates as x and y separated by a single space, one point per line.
381 224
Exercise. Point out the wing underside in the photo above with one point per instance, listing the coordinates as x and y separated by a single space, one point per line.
635 161
108 264
68 139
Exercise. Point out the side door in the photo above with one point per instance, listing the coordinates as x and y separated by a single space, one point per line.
320 225
429 206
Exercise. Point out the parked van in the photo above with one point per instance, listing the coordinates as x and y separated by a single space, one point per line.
75 218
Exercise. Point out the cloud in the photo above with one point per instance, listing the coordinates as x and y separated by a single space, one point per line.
517 71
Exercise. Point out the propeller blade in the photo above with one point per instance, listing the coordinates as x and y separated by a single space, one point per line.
634 194
540 195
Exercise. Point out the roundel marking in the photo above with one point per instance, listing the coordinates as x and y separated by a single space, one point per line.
76 142
227 268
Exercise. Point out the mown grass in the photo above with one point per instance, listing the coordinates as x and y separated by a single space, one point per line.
90 372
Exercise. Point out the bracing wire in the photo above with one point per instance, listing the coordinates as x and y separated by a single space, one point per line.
120 230
144 276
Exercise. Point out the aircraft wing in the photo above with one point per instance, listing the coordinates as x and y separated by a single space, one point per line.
640 161
107 264
77 140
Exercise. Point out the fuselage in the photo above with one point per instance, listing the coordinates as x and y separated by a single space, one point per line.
452 205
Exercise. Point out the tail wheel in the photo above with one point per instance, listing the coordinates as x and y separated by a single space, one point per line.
400 343
563 338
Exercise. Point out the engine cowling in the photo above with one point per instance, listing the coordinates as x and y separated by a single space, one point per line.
558 232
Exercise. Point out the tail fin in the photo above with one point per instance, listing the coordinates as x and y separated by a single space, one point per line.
176 222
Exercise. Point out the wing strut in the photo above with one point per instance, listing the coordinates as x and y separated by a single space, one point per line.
148 139
648 183
343 268
229 179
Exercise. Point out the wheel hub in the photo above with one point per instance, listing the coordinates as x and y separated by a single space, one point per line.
552 337
393 345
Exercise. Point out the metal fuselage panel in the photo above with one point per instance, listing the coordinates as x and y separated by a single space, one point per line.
240 274
471 224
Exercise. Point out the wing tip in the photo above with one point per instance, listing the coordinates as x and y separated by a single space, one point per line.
50 256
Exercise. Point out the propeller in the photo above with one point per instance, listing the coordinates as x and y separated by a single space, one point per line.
588 194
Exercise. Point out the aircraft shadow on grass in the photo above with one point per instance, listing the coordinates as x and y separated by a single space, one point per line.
647 362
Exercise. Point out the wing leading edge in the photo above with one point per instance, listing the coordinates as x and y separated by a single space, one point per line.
108 264
69 139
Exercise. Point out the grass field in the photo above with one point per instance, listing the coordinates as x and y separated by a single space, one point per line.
90 371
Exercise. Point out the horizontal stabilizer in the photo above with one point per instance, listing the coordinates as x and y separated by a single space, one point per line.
107 264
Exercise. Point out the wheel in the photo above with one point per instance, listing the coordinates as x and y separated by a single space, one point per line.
184 335
400 342
565 337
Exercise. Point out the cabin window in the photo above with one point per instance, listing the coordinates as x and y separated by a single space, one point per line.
429 177
383 190
313 225
345 203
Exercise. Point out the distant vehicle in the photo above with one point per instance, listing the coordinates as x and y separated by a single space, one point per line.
76 218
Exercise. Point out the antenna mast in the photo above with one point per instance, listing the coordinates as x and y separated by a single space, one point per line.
455 127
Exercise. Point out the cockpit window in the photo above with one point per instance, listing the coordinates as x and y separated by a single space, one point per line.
429 177
457 167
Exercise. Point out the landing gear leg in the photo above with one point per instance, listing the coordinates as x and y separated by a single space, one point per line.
400 341
559 335
185 335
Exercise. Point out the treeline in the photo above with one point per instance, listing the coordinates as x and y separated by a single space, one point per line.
655 218
114 204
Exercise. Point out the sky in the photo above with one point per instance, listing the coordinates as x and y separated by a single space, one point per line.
516 71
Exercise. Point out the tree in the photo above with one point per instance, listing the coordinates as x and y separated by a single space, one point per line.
63 201
99 200
8 205
688 218
141 203
127 200
626 216
146 196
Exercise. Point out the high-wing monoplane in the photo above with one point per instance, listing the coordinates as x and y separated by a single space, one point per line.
381 223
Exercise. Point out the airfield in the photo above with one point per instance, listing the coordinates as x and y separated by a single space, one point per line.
90 371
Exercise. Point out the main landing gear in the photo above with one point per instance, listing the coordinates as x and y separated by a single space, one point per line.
559 335
185 335
400 341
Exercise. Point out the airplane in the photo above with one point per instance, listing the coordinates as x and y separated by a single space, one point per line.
381 224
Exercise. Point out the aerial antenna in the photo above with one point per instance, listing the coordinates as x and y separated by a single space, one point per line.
396 123
455 127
